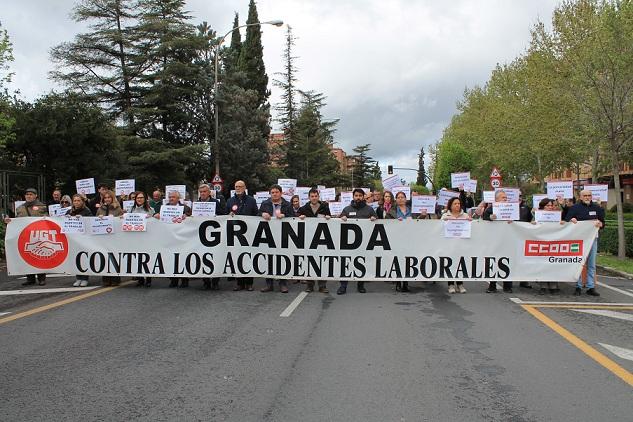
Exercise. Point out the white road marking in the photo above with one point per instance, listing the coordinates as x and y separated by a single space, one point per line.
536 303
38 291
630 290
615 289
620 352
288 311
607 313
4 313
50 275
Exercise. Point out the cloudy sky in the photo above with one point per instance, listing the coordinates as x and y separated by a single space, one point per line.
392 70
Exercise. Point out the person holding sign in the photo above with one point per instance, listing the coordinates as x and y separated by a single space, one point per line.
204 195
296 204
31 208
142 206
357 209
242 204
109 207
585 210
500 196
315 209
549 205
173 199
97 201
385 205
56 198
278 207
79 208
455 211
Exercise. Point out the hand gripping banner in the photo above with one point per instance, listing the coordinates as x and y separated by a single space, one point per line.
314 248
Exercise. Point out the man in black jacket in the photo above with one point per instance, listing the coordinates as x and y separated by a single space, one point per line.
585 210
242 204
319 209
275 206
204 195
357 209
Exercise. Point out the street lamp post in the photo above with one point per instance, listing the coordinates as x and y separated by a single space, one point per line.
216 146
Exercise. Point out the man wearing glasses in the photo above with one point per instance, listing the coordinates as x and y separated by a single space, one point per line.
585 210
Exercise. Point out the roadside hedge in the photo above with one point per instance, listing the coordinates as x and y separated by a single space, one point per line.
608 241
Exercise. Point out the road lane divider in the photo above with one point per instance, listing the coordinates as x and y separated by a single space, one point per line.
293 305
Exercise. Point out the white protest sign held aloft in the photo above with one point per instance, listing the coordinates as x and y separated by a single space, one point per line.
18 204
327 194
460 180
423 202
444 196
261 197
124 187
134 222
599 193
542 216
404 189
56 210
101 225
506 211
564 189
513 194
127 205
347 198
73 225
303 193
85 186
391 182
537 198
471 186
457 229
203 209
336 208
489 196
171 213
181 189
288 187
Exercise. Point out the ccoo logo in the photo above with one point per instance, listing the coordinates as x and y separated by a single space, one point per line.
553 248
42 245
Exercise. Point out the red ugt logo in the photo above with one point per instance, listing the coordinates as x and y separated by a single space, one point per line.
42 245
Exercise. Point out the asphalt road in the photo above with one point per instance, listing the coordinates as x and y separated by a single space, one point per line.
186 354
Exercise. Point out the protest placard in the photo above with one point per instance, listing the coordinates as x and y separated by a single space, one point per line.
85 186
513 194
506 211
303 193
288 187
181 189
124 187
101 225
489 196
444 195
171 213
203 209
599 193
563 189
133 222
347 198
471 186
73 225
391 182
327 194
127 205
460 180
458 229
537 198
336 208
261 197
542 216
56 210
423 202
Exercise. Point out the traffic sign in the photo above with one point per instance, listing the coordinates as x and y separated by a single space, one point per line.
495 173
495 182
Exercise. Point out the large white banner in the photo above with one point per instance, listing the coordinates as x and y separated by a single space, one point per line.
311 249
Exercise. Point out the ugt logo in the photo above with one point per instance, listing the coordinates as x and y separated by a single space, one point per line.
553 248
42 245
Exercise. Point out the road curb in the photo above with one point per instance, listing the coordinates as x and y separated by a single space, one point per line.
613 271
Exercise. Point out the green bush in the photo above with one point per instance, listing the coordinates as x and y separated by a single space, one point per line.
609 240
627 207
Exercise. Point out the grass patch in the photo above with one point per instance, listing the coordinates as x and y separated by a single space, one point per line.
612 261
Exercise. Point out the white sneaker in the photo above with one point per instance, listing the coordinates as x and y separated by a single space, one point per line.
83 283
451 289
76 283
461 289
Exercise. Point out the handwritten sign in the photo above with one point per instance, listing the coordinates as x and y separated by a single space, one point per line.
599 193
444 196
423 202
127 205
336 208
133 222
261 197
85 186
56 210
391 182
404 189
562 189
347 198
203 209
327 194
537 198
460 180
171 213
124 187
506 211
181 189
489 196
471 186
73 225
457 229
542 216
303 193
288 187
99 226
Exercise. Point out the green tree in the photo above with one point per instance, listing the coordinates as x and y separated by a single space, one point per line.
252 57
364 167
287 109
7 121
421 180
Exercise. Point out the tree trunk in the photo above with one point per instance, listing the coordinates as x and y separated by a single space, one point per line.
594 166
615 165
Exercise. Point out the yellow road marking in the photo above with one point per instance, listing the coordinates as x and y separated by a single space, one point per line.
60 303
616 369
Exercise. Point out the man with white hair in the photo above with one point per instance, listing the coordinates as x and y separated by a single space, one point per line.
205 194
584 210
173 198
500 196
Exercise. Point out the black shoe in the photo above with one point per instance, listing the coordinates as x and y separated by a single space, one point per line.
215 284
361 287
525 285
542 291
507 290
405 287
174 283
28 283
491 290
341 290
309 289
592 292
184 283
578 291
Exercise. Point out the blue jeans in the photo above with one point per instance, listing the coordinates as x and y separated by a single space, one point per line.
591 266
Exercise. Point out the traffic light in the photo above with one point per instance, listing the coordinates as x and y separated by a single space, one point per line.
389 169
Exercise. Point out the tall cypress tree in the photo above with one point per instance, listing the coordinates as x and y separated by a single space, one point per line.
287 109
421 180
252 57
